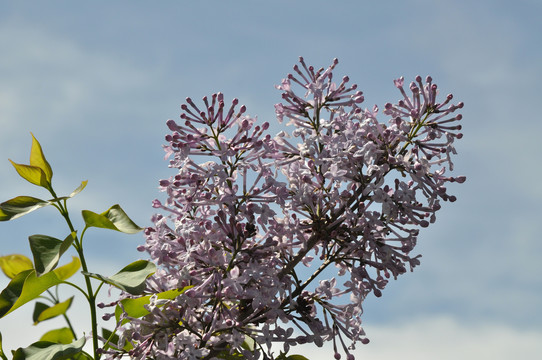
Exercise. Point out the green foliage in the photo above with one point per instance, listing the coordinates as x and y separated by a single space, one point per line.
136 307
19 206
13 264
283 356
32 280
47 251
113 340
38 160
47 350
39 171
58 336
27 286
32 174
114 219
2 355
42 313
131 278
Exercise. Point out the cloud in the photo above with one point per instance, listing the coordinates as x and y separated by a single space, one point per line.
52 82
440 337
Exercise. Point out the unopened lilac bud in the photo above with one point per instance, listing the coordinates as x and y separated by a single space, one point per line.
460 179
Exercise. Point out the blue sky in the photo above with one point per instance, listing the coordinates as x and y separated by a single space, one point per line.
95 82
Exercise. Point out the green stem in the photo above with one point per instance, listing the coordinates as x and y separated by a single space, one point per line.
55 300
91 297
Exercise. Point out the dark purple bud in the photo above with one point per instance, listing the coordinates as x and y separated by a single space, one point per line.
172 125
460 179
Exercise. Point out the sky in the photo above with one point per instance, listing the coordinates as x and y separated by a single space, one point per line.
96 81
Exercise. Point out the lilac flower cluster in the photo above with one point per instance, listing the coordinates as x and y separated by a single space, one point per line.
253 223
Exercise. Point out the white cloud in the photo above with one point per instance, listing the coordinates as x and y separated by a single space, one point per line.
51 82
442 338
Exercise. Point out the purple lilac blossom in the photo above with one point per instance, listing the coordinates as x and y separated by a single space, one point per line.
247 213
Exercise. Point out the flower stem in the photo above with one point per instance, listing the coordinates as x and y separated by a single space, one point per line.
91 297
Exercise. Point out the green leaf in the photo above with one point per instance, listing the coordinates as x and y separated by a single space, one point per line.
236 355
19 206
13 264
2 355
39 307
249 343
136 307
58 336
47 251
32 174
79 189
26 286
114 219
66 271
46 350
42 314
113 341
37 159
131 278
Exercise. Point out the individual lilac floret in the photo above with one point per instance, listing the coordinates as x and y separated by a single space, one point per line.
247 211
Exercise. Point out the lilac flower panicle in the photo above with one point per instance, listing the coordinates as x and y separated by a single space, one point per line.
248 215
